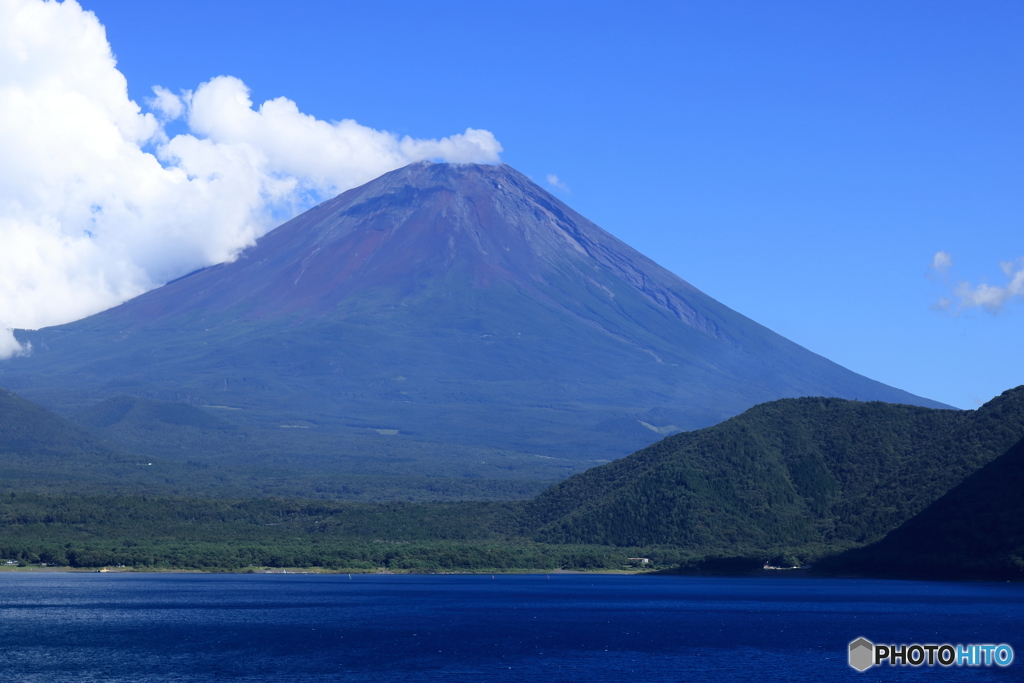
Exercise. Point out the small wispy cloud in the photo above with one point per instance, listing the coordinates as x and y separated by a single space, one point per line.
168 105
991 298
553 181
942 262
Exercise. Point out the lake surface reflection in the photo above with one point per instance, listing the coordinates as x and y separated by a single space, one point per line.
202 627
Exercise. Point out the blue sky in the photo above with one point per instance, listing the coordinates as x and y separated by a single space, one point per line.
800 162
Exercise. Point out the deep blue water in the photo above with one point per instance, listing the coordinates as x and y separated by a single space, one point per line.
189 627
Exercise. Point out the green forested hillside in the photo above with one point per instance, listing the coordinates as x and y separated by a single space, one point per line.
797 478
29 429
800 472
976 531
40 450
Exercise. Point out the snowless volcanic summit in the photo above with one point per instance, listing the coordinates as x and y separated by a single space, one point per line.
439 303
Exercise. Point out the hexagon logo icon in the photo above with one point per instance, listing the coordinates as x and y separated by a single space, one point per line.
862 654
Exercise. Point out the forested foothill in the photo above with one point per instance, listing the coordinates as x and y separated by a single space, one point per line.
974 531
787 482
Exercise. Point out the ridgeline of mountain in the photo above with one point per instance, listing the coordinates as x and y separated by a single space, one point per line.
976 531
795 473
41 451
438 304
29 430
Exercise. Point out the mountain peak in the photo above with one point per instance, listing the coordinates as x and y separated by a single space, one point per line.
411 229
449 302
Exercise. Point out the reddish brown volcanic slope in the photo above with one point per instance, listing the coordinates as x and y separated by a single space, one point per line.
412 227
454 303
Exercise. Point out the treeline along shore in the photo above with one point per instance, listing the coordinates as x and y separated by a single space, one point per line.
817 481
210 534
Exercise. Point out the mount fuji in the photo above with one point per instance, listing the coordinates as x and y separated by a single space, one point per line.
438 305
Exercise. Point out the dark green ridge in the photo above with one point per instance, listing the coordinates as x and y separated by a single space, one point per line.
976 531
798 472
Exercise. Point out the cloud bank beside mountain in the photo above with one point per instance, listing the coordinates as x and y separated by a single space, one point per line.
98 203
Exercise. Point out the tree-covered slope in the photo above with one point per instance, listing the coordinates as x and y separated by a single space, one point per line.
40 450
794 472
976 531
28 429
201 455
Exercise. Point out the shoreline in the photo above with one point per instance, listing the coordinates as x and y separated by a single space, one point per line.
321 571
310 571
757 573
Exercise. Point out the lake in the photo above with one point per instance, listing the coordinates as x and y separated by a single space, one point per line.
557 628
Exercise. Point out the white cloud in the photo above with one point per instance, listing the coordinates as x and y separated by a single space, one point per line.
166 103
9 346
326 157
942 262
90 217
992 298
553 181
